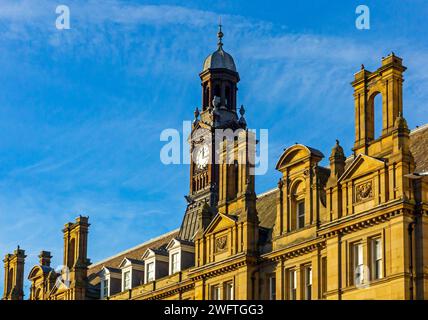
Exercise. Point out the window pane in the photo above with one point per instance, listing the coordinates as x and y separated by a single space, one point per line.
215 292
292 284
175 263
228 291
377 258
308 283
105 288
360 254
272 288
358 264
127 280
324 276
150 272
301 214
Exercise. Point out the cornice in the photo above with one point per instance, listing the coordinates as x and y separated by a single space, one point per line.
294 250
364 220
221 267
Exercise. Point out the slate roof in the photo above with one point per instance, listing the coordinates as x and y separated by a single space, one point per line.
134 253
419 147
266 208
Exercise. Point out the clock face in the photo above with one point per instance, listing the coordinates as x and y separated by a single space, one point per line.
202 156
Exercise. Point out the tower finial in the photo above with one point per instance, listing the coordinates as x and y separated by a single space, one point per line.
220 35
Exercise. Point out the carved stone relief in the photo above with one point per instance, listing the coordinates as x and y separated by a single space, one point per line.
221 244
364 191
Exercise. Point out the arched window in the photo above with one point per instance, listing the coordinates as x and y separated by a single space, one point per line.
374 120
297 206
206 96
378 116
217 91
227 97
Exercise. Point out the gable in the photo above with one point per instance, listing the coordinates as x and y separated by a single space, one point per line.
362 165
174 243
148 254
125 262
219 223
298 153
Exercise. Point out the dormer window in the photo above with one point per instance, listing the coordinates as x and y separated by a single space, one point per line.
110 279
181 255
155 264
150 272
132 273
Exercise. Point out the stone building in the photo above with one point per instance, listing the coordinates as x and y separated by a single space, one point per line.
357 229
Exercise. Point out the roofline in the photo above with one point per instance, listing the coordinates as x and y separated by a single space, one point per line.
133 248
267 192
420 128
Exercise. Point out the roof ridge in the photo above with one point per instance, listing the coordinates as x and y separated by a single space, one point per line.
133 248
267 192
419 128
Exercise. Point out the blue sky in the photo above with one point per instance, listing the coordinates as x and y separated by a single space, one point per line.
81 110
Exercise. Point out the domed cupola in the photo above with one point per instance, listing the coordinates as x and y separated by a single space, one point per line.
219 59
219 80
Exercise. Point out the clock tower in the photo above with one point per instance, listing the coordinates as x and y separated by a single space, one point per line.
217 113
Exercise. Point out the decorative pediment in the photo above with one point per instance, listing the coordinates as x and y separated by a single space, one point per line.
180 245
155 253
362 165
174 243
148 254
35 272
298 153
219 223
107 271
125 263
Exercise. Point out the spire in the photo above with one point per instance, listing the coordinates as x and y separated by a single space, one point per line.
220 36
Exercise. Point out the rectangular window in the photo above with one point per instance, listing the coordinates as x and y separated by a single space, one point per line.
292 284
307 274
300 214
105 288
215 293
272 288
324 277
127 280
358 276
228 291
150 271
376 263
175 263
